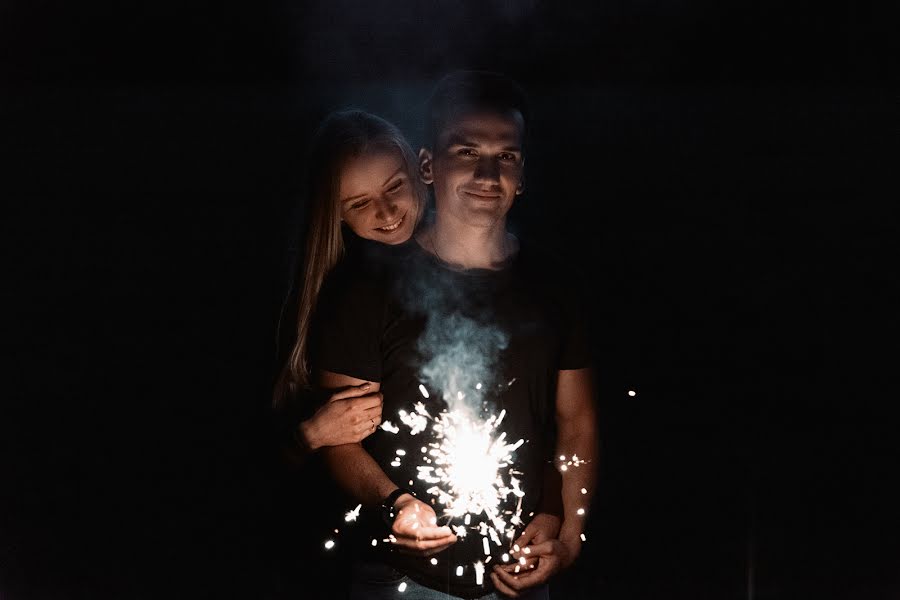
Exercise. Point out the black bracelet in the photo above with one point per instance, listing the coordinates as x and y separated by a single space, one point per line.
387 505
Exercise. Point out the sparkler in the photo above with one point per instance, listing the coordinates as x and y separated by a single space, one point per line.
469 466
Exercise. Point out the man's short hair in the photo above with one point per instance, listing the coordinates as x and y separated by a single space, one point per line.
462 92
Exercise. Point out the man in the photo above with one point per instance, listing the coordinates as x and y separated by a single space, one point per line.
469 323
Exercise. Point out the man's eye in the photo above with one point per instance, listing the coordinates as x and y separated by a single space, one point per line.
466 152
507 156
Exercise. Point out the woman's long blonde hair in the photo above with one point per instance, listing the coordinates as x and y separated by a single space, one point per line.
342 135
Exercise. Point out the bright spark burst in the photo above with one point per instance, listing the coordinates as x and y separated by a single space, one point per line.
469 465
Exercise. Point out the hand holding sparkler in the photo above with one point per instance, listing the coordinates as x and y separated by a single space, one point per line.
415 529
552 556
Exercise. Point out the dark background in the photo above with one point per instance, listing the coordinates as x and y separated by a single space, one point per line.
722 173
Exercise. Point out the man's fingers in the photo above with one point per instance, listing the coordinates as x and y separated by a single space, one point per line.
543 548
510 580
422 532
502 587
419 548
522 541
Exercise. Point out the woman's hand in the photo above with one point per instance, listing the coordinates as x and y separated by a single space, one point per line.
349 416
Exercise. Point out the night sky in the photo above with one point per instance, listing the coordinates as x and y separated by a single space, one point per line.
723 175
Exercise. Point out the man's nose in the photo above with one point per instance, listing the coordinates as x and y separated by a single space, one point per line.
487 169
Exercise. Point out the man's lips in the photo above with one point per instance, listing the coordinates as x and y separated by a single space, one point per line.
482 195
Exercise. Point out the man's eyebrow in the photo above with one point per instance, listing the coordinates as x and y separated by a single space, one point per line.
457 139
358 196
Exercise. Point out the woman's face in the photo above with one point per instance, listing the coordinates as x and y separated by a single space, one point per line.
378 199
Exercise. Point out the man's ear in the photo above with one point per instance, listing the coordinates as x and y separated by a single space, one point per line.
521 185
425 161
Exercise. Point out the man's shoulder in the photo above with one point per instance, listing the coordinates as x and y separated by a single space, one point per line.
550 265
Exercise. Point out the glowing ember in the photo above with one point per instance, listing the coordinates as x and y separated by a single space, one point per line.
479 573
329 544
580 511
353 514
401 587
583 538
632 393
459 571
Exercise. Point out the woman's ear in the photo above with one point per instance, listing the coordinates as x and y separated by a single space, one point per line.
425 161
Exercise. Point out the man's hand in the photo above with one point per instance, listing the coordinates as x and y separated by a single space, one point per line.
415 528
552 556
348 417
542 527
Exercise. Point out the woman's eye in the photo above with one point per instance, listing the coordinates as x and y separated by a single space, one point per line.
395 186
360 204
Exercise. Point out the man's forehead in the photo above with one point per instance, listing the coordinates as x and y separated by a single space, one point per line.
484 126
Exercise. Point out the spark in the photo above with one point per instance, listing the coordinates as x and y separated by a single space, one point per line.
353 514
632 393
583 538
527 550
580 511
423 390
486 545
505 557
329 544
459 571
583 491
390 427
434 561
479 572
401 587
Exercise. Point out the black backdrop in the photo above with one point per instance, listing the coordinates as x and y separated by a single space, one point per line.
721 173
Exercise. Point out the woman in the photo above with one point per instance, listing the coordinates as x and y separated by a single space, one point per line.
362 178
363 188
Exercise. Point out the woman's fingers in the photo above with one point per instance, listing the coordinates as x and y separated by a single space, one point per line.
354 391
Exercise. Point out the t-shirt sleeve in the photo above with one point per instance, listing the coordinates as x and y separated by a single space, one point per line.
348 323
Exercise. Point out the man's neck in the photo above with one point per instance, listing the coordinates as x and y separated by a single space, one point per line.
469 248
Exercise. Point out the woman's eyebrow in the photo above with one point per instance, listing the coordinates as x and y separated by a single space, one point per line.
394 174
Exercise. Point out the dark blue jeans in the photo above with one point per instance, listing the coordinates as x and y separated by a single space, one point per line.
378 581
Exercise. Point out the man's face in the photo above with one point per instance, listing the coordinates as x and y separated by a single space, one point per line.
476 167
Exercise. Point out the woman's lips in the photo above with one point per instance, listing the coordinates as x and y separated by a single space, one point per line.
393 226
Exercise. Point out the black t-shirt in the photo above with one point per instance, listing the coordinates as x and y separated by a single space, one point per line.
489 342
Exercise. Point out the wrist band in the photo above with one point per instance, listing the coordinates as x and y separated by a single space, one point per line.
387 505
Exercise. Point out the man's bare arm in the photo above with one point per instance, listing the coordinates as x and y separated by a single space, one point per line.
577 429
352 467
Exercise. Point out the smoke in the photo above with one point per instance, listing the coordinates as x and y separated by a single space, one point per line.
463 356
461 345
